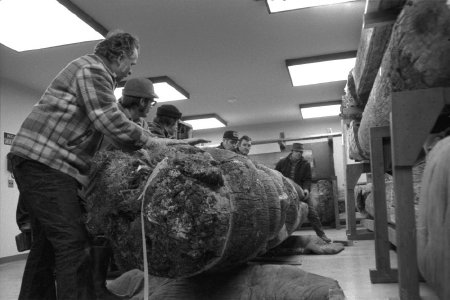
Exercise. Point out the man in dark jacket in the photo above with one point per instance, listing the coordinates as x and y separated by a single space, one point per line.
294 166
165 125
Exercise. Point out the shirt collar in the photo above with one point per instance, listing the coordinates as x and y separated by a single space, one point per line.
107 67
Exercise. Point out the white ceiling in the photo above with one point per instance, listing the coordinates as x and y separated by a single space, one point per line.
228 54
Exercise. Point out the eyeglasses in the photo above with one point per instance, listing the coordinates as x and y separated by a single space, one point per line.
152 102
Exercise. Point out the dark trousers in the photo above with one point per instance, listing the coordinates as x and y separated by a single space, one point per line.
22 216
58 265
314 219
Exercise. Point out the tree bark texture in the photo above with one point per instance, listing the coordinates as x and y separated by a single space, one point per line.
323 200
417 57
355 151
204 210
351 108
371 48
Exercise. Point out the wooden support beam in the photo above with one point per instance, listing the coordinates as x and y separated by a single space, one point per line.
383 272
352 174
311 137
380 18
412 117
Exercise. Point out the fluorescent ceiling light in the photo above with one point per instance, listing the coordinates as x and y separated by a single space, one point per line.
285 5
205 121
166 92
318 110
166 89
319 69
31 24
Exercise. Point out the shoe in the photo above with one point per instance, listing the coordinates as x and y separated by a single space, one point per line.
101 256
325 238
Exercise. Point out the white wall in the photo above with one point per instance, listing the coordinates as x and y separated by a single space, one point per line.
16 102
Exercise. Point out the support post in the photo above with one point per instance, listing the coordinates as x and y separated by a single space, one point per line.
336 203
379 155
413 116
353 172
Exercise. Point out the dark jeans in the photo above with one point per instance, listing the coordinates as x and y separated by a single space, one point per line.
314 219
22 216
60 242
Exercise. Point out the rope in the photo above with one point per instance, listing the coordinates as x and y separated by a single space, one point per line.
162 164
144 249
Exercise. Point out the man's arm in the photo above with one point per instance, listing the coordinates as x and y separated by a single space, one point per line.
98 98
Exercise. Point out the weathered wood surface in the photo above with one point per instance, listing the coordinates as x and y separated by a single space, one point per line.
204 210
417 57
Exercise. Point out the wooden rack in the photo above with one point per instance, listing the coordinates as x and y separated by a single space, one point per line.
413 115
352 174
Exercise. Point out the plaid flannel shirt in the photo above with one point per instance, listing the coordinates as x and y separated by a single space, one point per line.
65 127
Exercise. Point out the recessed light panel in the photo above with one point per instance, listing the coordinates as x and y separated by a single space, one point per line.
205 121
320 72
36 24
286 5
166 92
320 110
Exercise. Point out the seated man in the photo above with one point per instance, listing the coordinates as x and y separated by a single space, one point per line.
230 139
295 167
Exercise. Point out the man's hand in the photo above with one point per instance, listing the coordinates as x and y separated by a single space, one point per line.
153 142
195 141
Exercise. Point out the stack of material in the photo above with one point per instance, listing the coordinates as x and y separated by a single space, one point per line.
412 53
417 57
204 211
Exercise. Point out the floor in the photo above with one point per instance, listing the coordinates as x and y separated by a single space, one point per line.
350 268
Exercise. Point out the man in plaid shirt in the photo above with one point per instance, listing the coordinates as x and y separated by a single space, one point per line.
51 159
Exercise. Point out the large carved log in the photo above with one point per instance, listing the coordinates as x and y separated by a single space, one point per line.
417 57
204 211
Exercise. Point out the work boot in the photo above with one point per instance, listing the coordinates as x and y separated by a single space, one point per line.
101 256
